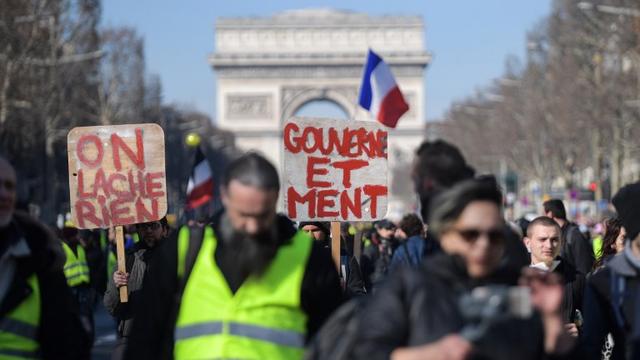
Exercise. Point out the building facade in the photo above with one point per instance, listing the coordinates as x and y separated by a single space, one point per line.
267 68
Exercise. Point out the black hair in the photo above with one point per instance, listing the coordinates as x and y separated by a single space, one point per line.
556 207
442 162
612 230
253 170
411 225
448 205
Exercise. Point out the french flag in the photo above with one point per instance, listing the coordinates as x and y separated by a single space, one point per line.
379 92
200 186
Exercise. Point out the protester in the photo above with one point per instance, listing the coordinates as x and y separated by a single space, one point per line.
612 241
137 258
38 318
76 270
576 249
543 241
350 273
251 287
611 296
438 166
410 250
376 257
417 315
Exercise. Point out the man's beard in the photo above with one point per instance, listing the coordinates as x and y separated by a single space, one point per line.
253 253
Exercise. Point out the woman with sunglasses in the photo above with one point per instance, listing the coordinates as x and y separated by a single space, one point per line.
417 314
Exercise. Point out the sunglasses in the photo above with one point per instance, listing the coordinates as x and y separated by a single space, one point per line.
495 236
151 226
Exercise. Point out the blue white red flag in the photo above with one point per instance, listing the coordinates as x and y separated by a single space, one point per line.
379 92
200 186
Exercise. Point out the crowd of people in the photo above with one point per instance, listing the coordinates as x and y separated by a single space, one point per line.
454 281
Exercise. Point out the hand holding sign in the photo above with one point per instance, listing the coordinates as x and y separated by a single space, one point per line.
116 177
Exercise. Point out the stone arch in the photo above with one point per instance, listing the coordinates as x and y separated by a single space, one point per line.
303 97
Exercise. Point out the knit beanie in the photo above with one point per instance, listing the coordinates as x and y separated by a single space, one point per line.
627 204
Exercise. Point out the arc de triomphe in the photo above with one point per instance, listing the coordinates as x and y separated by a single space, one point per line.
269 67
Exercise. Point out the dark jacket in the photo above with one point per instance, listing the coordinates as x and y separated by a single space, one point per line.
612 305
420 306
375 263
409 253
136 264
573 289
576 249
60 334
152 335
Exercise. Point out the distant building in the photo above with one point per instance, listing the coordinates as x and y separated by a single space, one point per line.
269 67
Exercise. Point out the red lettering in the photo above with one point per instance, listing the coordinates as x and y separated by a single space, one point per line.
143 214
119 190
293 198
324 201
100 183
119 212
346 204
86 212
364 142
295 146
141 187
117 143
347 166
381 143
81 193
106 216
312 170
316 137
151 185
373 191
80 150
135 187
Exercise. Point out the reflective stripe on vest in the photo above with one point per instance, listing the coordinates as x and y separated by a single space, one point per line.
280 337
19 328
76 269
262 320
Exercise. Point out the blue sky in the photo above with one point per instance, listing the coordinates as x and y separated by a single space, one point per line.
469 39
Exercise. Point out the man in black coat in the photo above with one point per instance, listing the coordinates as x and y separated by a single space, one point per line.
575 248
543 240
612 295
151 234
28 248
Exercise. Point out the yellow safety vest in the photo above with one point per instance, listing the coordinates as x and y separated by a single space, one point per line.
262 320
76 269
19 328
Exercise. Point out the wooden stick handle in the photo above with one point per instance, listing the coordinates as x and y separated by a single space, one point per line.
122 267
335 244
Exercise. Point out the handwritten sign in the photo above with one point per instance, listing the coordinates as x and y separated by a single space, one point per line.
335 170
116 175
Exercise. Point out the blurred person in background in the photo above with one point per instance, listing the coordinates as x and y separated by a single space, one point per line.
411 248
151 234
39 318
612 301
612 241
575 248
417 313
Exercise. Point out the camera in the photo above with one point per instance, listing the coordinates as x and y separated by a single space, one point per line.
485 306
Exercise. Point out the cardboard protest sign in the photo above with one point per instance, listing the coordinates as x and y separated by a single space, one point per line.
335 170
116 175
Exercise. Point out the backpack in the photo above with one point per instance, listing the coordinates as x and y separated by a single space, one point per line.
337 337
